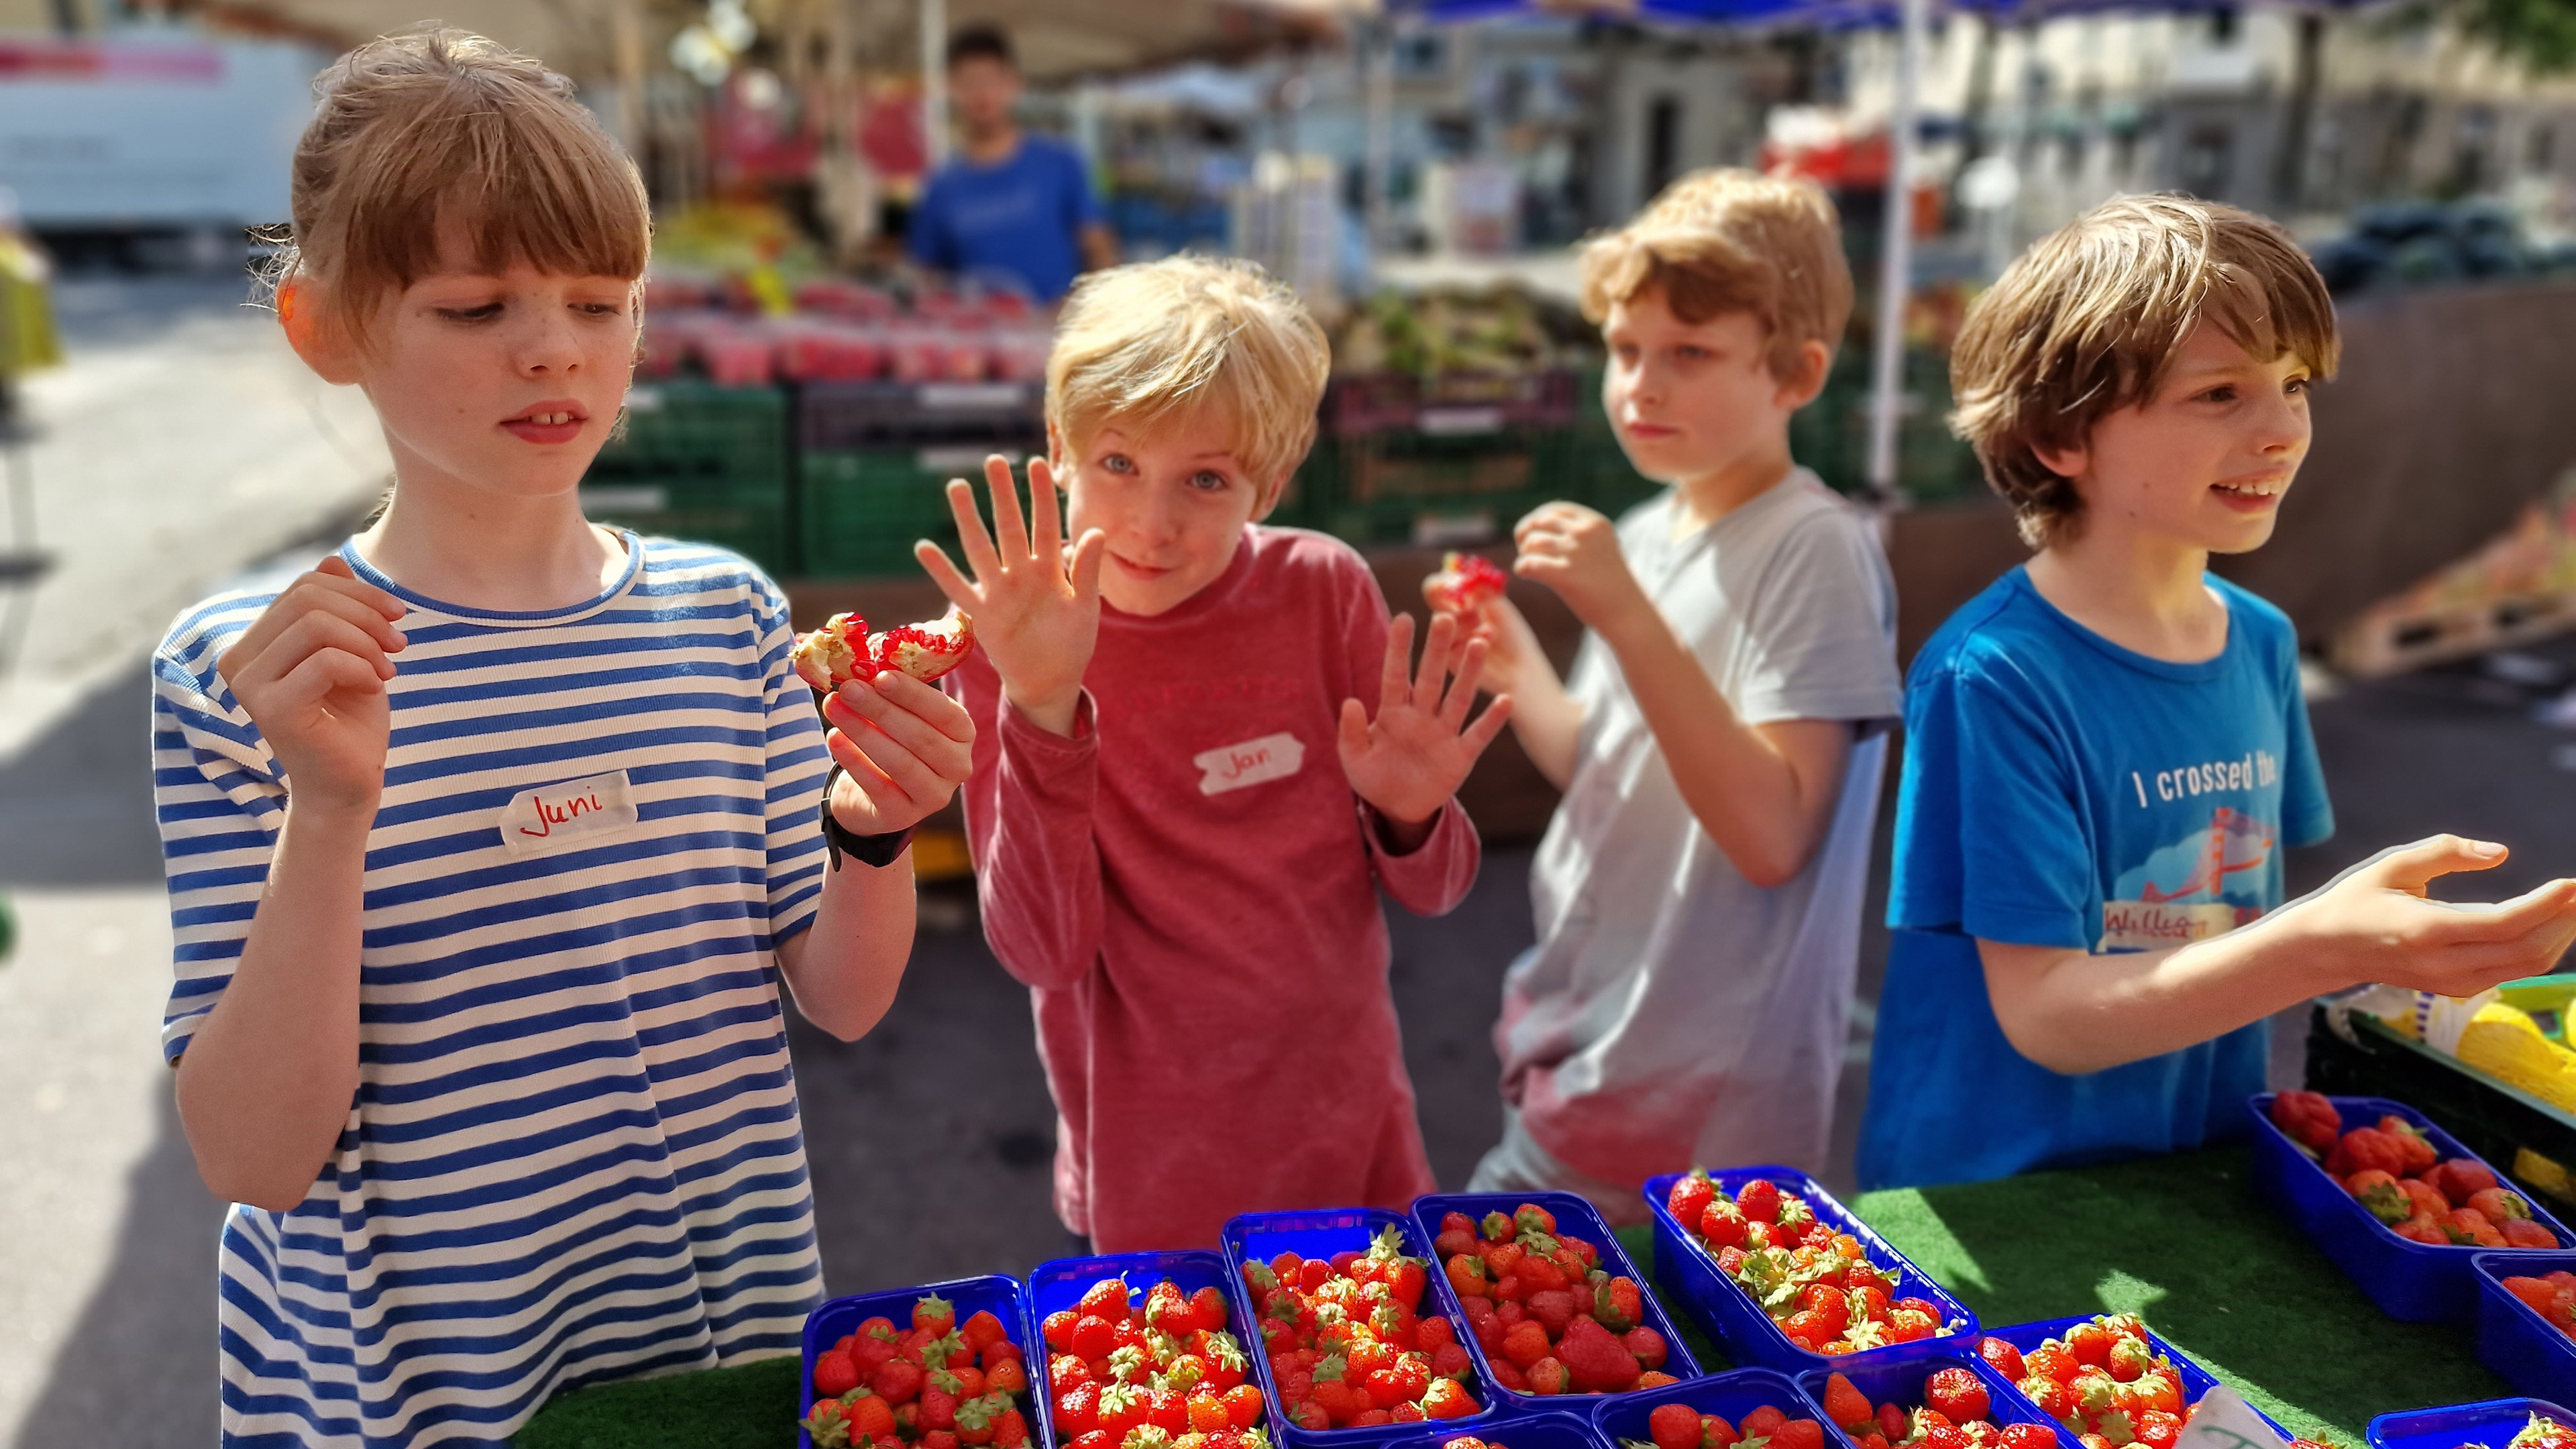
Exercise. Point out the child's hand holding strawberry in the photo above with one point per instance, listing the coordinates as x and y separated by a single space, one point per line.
1411 759
1575 551
1036 603
903 748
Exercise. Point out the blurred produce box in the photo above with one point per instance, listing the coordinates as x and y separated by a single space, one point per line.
2518 589
849 416
699 462
860 512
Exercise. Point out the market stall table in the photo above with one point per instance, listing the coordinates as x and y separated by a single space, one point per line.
2183 1241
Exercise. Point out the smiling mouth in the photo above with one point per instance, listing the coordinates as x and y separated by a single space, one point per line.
2253 489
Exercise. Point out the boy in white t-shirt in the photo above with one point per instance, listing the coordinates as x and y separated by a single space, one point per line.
1720 741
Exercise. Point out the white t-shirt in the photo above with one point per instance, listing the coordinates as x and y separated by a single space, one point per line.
1673 1013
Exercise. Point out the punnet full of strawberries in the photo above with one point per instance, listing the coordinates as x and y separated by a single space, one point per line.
1157 1372
1817 1284
934 1383
1349 1345
1679 1426
2552 1296
2103 1380
2393 1169
1955 1414
1550 1318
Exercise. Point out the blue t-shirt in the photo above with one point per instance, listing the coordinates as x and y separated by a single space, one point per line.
2060 790
1022 219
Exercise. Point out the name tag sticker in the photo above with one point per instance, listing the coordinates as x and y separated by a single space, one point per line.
1232 767
558 817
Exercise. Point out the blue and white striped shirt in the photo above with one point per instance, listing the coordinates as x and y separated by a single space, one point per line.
574 1152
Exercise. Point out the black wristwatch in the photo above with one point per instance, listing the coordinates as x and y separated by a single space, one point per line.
875 850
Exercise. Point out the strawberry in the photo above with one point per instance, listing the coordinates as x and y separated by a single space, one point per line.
1759 1201
1007 1377
1617 1304
1891 1424
2499 1204
2526 1233
1594 1361
1077 1410
1208 1303
933 1315
1798 1434
2460 1179
2469 1227
2379 1192
1646 1344
1690 1197
977 1419
1958 1394
1762 1423
981 1331
1674 1426
2411 1143
938 1409
1548 1377
2130 1360
897 1381
1108 1300
2003 1358
2030 1436
1447 1399
1848 1406
2159 1430
835 1374
1010 1430
1242 1406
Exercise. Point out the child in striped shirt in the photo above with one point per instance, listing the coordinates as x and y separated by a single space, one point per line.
491 839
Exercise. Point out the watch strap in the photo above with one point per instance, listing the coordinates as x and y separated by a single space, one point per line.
872 850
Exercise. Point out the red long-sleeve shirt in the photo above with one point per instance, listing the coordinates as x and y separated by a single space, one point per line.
1189 886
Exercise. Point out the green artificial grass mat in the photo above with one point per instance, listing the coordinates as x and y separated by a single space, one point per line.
2182 1241
752 1406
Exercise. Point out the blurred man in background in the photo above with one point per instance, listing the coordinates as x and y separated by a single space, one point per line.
1009 207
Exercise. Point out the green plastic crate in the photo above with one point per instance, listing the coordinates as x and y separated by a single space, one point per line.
1430 489
699 442
861 512
753 527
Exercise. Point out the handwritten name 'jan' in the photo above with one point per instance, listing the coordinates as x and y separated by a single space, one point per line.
1232 767
576 812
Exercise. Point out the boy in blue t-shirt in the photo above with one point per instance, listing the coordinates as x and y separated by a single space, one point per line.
2107 751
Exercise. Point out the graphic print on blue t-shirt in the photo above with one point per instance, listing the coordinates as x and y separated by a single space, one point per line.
2062 791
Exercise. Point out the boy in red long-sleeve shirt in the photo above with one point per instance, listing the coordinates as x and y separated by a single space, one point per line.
1198 757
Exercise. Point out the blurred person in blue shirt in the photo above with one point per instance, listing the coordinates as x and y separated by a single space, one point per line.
1011 208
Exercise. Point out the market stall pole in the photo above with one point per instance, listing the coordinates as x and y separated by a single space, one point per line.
934 82
1896 256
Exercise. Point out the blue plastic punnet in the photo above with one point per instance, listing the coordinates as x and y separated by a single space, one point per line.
1732 1317
2410 1281
1578 1217
1532 1431
2196 1380
1260 1237
1060 1285
1900 1382
840 1317
1622 1418
2526 1350
2491 1424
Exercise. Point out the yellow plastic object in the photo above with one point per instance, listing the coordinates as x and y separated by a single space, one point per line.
940 855
2506 1044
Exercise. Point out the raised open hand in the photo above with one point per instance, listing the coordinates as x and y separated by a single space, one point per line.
1036 603
1410 759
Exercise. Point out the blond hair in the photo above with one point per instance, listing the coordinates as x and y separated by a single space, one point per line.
1729 240
2086 322
436 134
1156 342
